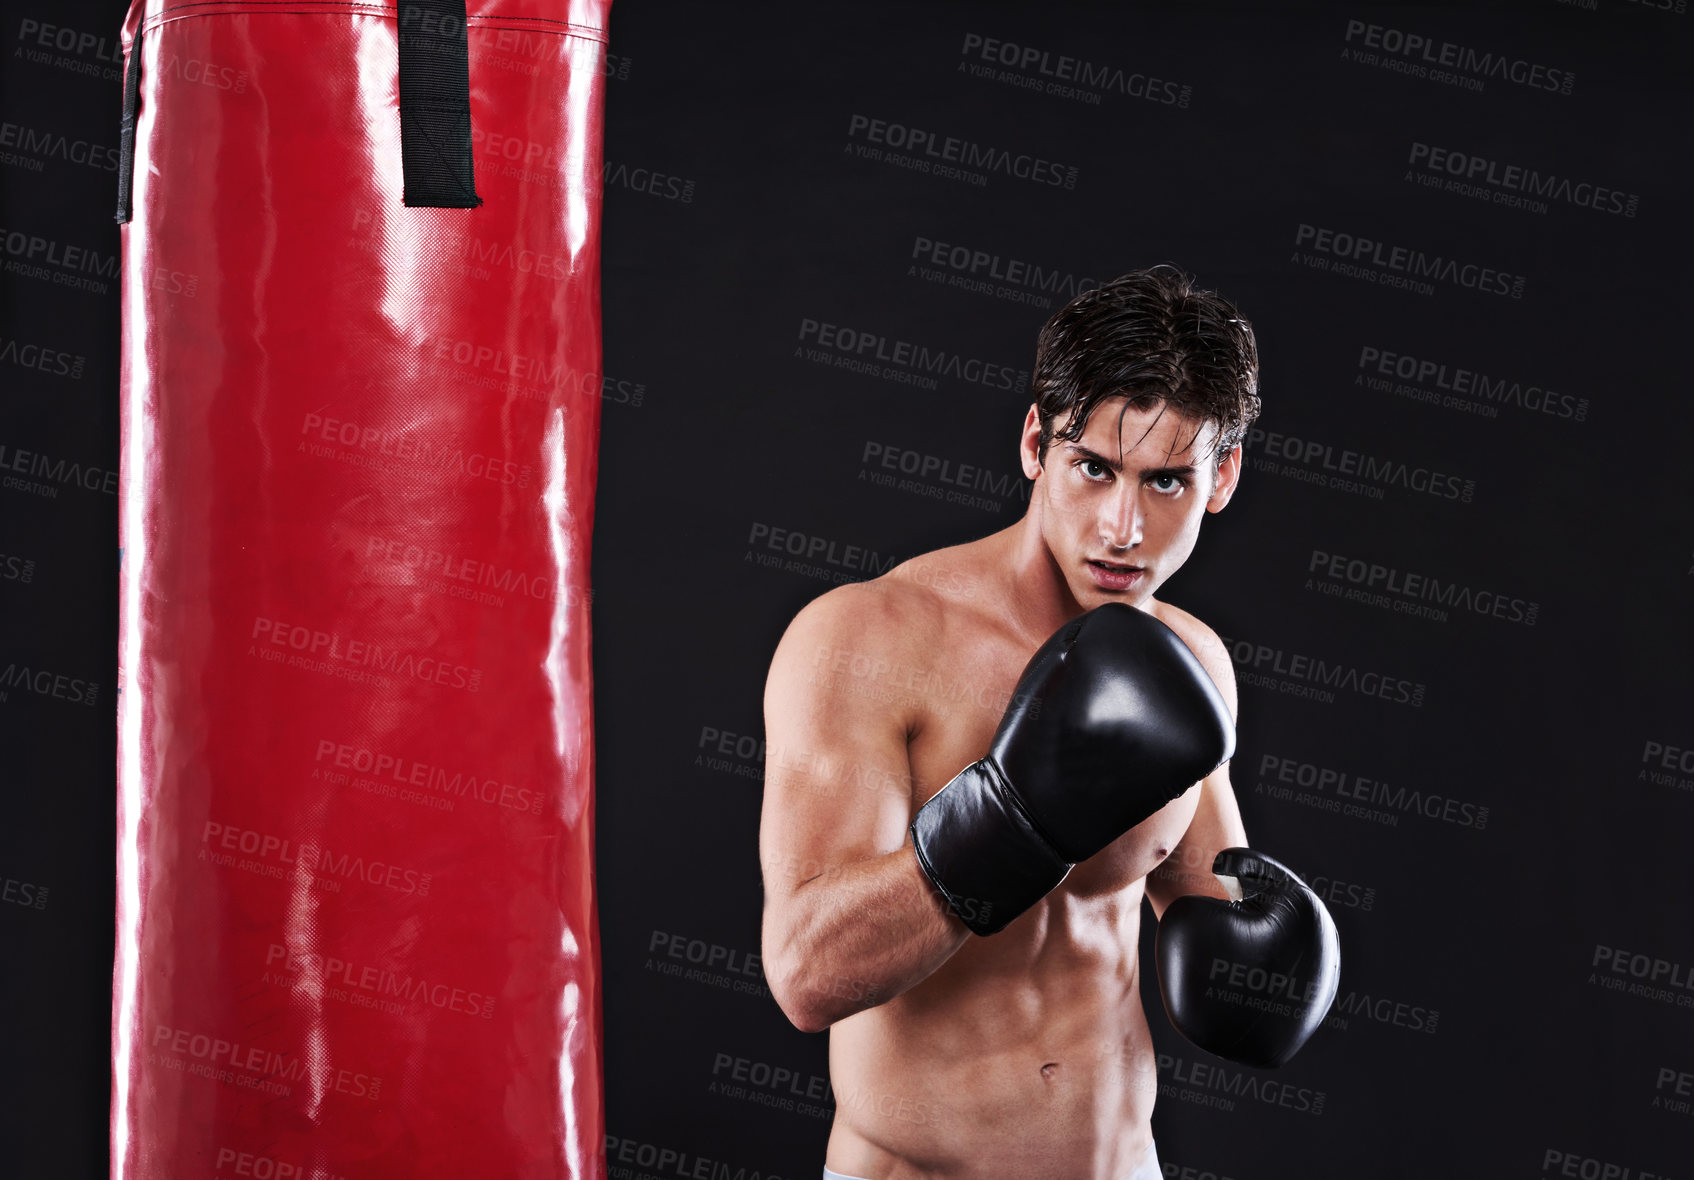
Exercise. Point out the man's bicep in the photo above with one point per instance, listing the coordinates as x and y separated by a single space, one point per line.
837 774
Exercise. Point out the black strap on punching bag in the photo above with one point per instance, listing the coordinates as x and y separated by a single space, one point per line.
435 109
435 105
126 131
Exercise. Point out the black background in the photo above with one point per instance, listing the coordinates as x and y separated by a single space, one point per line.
737 211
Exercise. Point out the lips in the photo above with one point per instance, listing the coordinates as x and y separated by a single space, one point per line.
1115 576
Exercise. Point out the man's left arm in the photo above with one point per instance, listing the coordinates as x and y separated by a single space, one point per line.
1217 821
1277 929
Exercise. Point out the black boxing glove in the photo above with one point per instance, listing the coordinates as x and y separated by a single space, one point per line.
1249 980
1112 718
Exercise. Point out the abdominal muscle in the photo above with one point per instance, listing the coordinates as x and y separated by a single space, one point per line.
1025 1054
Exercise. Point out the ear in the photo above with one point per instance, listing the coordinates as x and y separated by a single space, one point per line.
1229 474
1029 446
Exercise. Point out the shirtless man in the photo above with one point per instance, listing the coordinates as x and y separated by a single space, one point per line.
993 1030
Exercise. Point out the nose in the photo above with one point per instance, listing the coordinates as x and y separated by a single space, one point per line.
1120 520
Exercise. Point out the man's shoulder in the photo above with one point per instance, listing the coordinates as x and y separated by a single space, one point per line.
899 613
1201 639
859 620
884 611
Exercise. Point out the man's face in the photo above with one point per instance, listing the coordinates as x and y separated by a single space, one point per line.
1121 506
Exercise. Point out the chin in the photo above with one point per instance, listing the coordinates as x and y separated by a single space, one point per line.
1089 596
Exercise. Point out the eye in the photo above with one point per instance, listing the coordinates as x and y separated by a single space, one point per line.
1093 470
1169 484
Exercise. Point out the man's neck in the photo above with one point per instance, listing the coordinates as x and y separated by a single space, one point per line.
1040 599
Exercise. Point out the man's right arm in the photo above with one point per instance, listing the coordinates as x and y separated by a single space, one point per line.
850 919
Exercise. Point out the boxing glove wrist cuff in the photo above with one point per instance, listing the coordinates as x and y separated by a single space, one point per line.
979 847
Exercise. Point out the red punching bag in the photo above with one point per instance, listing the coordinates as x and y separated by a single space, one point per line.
361 397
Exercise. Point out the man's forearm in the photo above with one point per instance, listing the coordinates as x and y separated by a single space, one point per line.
856 936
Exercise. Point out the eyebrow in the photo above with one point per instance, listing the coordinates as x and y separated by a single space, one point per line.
1148 473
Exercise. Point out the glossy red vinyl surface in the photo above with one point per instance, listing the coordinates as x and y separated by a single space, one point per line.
356 929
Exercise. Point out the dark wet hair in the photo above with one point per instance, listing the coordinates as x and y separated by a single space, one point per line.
1151 336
